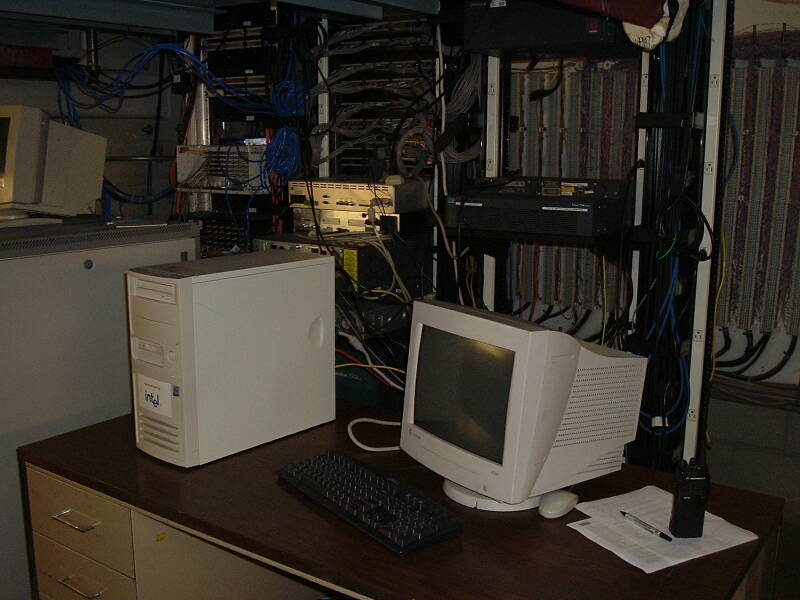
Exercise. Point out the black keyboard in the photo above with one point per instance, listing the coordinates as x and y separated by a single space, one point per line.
398 516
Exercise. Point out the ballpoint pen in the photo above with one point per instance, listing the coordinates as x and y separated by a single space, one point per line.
646 526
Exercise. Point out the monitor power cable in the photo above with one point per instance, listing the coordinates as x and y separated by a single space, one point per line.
376 422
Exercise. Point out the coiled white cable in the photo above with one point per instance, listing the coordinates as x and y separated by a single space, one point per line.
376 422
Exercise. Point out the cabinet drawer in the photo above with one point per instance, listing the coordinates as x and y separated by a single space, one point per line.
82 520
66 575
171 564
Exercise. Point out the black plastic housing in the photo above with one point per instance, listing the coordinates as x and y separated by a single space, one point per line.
692 485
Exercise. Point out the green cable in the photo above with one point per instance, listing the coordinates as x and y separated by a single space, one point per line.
674 238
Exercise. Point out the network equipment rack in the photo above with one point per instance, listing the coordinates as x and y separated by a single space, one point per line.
358 256
349 194
328 221
381 97
551 207
521 28
219 234
306 221
232 168
244 52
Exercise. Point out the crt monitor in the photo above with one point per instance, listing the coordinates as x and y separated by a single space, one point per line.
45 166
506 410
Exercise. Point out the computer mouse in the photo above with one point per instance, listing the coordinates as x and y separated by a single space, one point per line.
557 503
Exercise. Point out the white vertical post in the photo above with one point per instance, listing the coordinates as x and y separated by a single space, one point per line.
438 66
703 293
641 142
492 116
492 166
489 277
323 110
437 240
641 149
200 132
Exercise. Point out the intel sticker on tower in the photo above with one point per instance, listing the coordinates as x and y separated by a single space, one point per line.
154 395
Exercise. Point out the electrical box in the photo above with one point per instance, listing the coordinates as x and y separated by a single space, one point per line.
542 28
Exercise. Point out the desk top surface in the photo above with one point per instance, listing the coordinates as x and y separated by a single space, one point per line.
239 500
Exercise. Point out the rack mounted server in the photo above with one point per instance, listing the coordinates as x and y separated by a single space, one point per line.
358 196
569 208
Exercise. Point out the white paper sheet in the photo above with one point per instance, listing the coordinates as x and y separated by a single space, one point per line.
608 528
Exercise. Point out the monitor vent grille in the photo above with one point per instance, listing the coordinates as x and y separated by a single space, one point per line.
607 462
603 403
159 433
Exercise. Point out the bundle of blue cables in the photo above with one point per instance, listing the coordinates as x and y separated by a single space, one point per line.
668 319
110 94
282 157
288 99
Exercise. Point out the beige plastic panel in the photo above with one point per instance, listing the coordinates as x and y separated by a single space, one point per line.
175 565
66 575
107 541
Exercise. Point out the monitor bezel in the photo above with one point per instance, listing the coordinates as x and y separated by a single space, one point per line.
25 155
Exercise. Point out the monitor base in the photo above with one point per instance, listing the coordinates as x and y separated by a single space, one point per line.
473 499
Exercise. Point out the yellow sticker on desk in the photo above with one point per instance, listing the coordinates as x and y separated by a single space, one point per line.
161 536
350 260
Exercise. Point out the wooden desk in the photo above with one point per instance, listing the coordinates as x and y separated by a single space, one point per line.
239 504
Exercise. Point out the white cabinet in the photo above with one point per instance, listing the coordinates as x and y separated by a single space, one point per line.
88 545
85 521
173 564
81 540
64 574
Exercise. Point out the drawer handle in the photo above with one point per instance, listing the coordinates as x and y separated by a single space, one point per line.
76 520
76 583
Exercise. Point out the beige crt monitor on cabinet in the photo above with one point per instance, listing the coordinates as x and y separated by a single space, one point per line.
46 166
230 352
508 411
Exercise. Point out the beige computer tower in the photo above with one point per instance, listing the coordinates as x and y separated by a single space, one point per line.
230 352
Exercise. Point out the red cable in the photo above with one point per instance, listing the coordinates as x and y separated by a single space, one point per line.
173 174
366 366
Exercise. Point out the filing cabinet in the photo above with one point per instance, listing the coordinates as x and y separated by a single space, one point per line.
87 545
82 541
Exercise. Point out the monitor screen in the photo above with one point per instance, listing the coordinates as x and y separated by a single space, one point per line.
462 390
